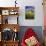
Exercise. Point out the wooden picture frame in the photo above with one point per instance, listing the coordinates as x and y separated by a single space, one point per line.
13 12
5 12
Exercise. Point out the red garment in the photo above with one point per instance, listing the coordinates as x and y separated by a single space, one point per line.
29 33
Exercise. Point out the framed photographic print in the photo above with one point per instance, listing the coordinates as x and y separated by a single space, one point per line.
13 12
5 12
29 12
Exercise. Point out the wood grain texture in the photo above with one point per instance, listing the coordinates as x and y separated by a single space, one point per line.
10 26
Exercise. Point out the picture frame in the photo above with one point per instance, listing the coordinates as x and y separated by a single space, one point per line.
5 12
29 12
13 12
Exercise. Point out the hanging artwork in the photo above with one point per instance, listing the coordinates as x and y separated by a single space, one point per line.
29 12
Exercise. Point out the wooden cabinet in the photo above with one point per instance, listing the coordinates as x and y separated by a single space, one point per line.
9 26
10 43
9 14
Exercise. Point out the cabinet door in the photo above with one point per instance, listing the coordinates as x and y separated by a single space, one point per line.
10 43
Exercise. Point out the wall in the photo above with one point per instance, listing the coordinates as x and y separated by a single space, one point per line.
38 21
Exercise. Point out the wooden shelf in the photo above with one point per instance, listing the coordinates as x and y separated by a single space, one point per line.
10 26
4 24
6 13
9 43
9 8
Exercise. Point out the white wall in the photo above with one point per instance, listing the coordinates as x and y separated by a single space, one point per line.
38 21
